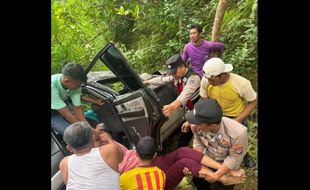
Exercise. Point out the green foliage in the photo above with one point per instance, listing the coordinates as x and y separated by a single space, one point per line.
252 130
239 31
148 32
78 31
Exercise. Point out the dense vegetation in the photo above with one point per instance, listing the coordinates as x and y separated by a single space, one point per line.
148 32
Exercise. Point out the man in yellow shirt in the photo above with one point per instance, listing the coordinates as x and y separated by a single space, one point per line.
144 176
233 92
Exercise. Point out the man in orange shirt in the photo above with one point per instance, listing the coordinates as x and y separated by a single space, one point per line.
144 176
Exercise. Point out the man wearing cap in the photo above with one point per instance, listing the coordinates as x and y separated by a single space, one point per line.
187 83
221 138
234 93
66 95
199 50
184 78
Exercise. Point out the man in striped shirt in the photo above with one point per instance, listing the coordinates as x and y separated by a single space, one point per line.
144 176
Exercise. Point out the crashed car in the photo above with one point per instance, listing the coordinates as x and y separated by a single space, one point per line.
131 108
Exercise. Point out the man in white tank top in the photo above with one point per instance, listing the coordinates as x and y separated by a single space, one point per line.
89 168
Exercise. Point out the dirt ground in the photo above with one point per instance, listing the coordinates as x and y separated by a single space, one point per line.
250 181
249 184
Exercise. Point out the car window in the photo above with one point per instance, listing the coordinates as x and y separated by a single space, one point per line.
125 80
106 78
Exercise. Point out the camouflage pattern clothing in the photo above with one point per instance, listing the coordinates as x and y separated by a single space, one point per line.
228 145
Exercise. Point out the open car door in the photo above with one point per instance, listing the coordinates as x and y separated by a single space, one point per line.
130 107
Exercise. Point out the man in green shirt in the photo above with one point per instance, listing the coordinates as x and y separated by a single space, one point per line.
66 97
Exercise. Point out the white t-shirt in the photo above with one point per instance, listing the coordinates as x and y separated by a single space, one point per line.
90 172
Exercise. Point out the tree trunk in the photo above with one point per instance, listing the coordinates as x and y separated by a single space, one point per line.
216 30
178 3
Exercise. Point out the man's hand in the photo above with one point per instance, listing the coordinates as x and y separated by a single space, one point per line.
101 136
236 173
186 171
168 110
146 82
210 177
185 127
99 102
239 120
93 100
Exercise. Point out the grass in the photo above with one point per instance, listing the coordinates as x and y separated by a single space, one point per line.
251 174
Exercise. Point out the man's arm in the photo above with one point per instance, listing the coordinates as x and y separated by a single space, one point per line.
63 167
185 55
192 84
190 88
209 162
237 151
235 157
110 147
111 155
219 173
217 46
248 109
79 114
66 113
161 80
170 108
233 160
248 94
93 100
203 91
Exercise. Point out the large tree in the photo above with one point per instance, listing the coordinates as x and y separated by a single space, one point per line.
216 29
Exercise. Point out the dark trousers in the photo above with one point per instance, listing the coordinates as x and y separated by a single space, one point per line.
173 164
184 138
202 184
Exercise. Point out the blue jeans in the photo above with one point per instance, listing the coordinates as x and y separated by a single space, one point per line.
59 123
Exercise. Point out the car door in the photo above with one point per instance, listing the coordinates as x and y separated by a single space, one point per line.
130 106
58 152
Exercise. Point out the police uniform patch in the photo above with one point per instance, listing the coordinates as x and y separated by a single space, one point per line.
236 150
219 136
192 81
225 142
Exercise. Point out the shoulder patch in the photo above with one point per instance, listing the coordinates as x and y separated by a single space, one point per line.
191 81
236 150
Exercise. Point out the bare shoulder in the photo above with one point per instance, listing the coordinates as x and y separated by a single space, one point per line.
64 162
111 148
111 155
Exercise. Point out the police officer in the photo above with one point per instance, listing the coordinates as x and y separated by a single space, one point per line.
223 139
186 81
